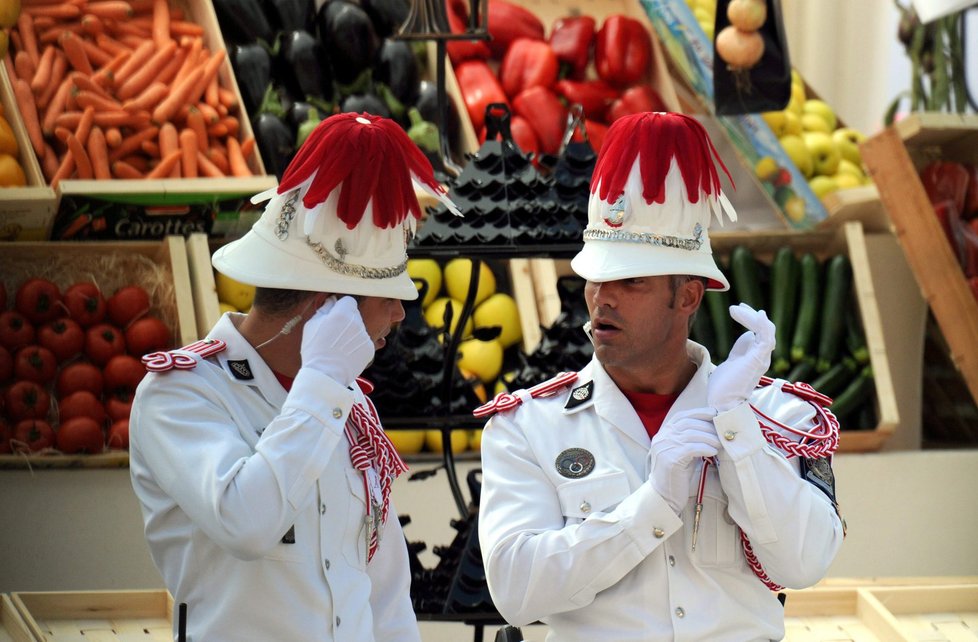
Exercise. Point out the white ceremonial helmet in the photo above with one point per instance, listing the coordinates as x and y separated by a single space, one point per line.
342 216
654 191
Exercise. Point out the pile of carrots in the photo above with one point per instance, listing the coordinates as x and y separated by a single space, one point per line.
123 89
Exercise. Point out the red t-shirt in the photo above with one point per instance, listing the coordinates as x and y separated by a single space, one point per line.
285 381
651 408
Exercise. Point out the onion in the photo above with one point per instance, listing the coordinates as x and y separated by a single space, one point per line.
747 15
739 49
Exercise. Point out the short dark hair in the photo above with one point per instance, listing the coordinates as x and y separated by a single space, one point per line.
276 301
676 281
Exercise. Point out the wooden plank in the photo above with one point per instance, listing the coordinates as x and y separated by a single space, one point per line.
107 616
878 618
928 252
861 204
521 283
202 283
931 599
12 625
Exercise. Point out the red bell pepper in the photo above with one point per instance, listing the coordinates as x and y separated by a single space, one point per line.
946 181
635 100
571 39
507 22
546 114
522 134
973 283
595 96
527 63
457 12
622 51
479 88
595 133
970 210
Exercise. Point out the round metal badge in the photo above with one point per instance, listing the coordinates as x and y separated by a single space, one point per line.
574 463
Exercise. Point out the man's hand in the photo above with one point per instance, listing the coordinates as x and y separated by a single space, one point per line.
685 438
335 341
734 380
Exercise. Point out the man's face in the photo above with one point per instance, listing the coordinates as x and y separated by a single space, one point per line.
636 322
379 315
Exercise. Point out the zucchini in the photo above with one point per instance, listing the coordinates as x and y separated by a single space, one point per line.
855 394
718 306
855 337
835 300
835 379
809 304
802 371
701 331
746 277
784 291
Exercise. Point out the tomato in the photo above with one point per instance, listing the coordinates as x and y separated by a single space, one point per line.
6 366
79 376
102 342
85 303
118 406
39 300
64 337
6 432
119 434
123 373
27 400
81 404
16 330
32 435
35 363
146 335
80 435
128 303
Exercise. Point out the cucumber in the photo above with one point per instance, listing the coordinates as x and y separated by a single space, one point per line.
702 331
718 306
855 394
835 300
784 290
855 337
835 379
802 371
810 298
746 277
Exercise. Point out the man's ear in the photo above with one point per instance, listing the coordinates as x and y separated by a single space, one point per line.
690 295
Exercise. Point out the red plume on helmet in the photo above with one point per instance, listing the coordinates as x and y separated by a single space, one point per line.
656 138
373 159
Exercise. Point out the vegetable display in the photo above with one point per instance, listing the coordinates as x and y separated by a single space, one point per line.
952 188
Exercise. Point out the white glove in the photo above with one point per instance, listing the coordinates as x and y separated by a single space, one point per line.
733 381
335 341
685 438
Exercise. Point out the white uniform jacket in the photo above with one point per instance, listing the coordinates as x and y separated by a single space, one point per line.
604 557
226 471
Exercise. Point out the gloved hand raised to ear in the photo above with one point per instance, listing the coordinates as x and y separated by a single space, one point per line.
685 438
335 341
733 381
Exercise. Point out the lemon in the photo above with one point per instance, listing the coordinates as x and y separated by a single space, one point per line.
477 386
483 358
226 307
766 168
9 12
8 142
240 295
475 439
429 271
11 173
500 310
407 442
433 440
434 314
458 275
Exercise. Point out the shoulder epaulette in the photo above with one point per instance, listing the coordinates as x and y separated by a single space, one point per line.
167 360
508 401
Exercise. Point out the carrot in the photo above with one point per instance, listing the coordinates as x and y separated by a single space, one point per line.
49 162
69 119
97 57
111 45
25 27
122 118
113 137
148 98
42 74
85 125
188 149
71 45
180 94
195 121
218 130
171 68
206 168
209 113
43 23
139 161
123 30
85 98
8 62
167 165
54 32
138 58
92 24
98 154
219 157
28 112
133 141
211 67
61 133
122 169
105 76
132 40
16 42
110 9
150 148
60 11
193 53
58 69
248 146
161 22
237 160
65 169
169 141
83 165
210 93
81 82
142 77
24 67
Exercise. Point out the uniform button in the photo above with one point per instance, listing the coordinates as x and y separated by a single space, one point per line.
729 435
672 560
680 612
337 413
659 533
322 509
326 564
585 507
337 620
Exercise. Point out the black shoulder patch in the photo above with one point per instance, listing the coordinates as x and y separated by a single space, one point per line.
579 395
818 471
241 369
289 537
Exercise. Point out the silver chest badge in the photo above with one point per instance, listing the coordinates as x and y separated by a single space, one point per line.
575 463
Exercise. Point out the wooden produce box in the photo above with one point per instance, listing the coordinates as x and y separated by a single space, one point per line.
848 239
158 266
26 213
97 616
12 625
894 158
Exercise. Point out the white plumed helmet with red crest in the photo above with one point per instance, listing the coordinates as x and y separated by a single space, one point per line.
341 218
654 191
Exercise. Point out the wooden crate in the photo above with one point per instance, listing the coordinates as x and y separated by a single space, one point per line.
848 239
26 213
159 266
97 616
894 157
12 625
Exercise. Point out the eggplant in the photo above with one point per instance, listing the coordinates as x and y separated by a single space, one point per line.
289 15
397 67
387 15
243 21
301 72
298 112
427 104
348 35
369 103
253 69
276 142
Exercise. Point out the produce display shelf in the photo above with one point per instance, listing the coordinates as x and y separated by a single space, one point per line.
97 616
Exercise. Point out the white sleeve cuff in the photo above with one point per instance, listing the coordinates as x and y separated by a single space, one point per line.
740 434
321 397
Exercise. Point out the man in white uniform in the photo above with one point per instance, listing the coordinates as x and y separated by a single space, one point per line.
653 496
259 462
